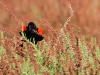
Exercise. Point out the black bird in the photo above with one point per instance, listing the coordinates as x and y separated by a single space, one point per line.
31 32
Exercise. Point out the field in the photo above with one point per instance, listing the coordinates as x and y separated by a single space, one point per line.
68 47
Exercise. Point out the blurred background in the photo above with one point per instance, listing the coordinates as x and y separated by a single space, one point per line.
86 14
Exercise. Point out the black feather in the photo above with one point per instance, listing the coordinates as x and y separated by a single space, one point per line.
30 34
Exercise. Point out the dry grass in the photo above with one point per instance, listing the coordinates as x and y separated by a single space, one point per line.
86 14
63 52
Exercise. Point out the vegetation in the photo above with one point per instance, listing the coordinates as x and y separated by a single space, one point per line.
63 52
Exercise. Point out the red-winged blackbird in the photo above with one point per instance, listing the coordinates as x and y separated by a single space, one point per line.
32 32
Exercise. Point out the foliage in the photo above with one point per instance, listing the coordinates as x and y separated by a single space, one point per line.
61 53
